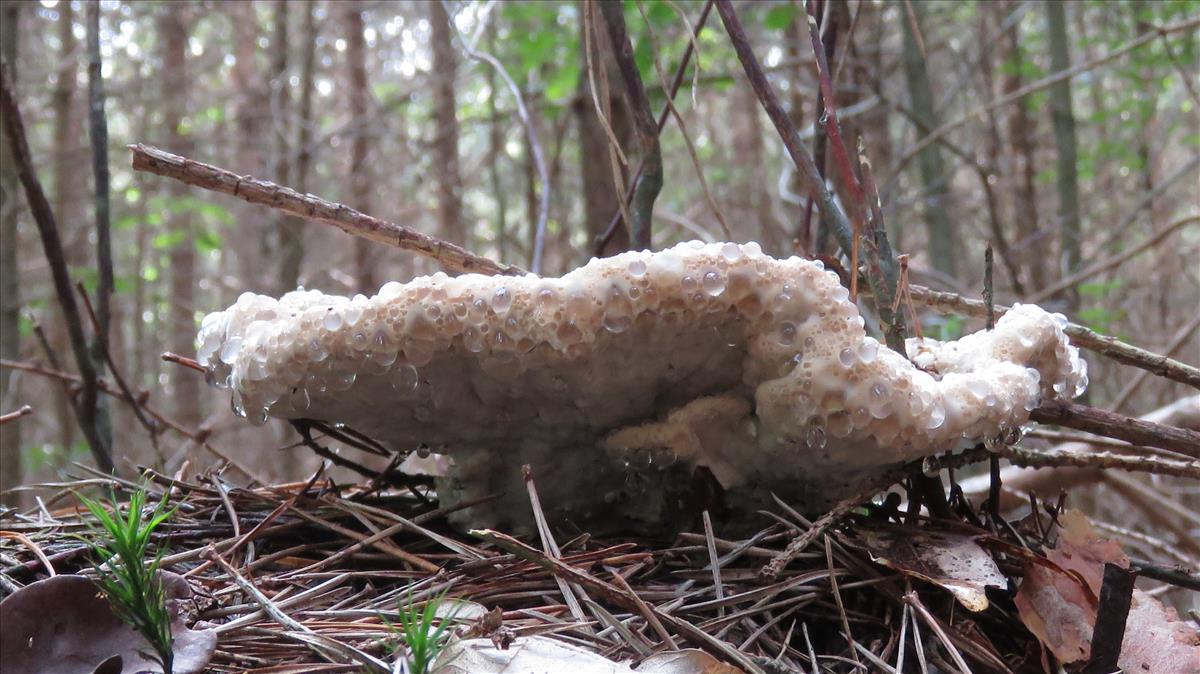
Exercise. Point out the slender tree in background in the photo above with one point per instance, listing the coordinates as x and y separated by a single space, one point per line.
281 136
173 35
291 229
66 144
1061 111
935 180
445 133
600 196
496 127
252 122
98 128
360 169
10 281
1022 169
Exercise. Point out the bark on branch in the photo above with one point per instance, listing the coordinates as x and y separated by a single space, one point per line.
452 257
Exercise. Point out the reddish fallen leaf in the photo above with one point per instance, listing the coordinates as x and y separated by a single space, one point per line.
1057 602
953 561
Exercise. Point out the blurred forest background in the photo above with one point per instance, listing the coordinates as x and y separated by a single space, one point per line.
1086 186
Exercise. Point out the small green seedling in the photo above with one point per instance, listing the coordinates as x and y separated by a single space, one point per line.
418 635
128 579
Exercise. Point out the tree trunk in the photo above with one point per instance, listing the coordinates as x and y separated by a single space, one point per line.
252 118
281 116
360 170
1064 139
291 233
935 181
10 281
187 387
66 140
445 145
1022 169
98 132
601 199
496 129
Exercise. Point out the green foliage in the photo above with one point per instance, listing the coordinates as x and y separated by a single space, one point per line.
946 328
1099 318
780 17
130 582
420 634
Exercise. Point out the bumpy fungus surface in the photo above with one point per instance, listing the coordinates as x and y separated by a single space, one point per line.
634 366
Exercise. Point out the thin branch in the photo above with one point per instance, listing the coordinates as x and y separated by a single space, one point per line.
1082 337
452 257
1106 264
23 410
806 167
539 239
677 82
200 437
1029 458
99 137
1177 342
126 392
687 138
43 216
1047 81
1119 426
841 156
649 184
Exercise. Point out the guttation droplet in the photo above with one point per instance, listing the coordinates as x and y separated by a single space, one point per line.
713 283
847 357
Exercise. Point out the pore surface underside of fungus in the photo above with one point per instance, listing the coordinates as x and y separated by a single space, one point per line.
632 367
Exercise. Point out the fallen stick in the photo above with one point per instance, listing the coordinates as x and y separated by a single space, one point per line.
453 257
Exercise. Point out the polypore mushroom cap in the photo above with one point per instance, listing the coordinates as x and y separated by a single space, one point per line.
765 363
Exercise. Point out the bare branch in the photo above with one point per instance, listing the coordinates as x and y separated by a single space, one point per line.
1113 425
452 257
23 410
1047 81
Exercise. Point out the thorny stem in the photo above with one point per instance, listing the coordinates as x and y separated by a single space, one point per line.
650 182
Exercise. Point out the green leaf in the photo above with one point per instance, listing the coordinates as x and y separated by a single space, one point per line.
780 17
208 241
126 222
564 81
167 240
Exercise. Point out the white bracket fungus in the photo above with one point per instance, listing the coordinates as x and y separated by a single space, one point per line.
701 355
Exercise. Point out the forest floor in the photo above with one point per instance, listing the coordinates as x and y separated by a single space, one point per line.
315 576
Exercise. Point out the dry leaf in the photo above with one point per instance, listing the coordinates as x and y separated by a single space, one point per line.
1058 604
951 560
65 625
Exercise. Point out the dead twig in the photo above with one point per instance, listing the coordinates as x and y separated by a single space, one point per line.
23 410
452 257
